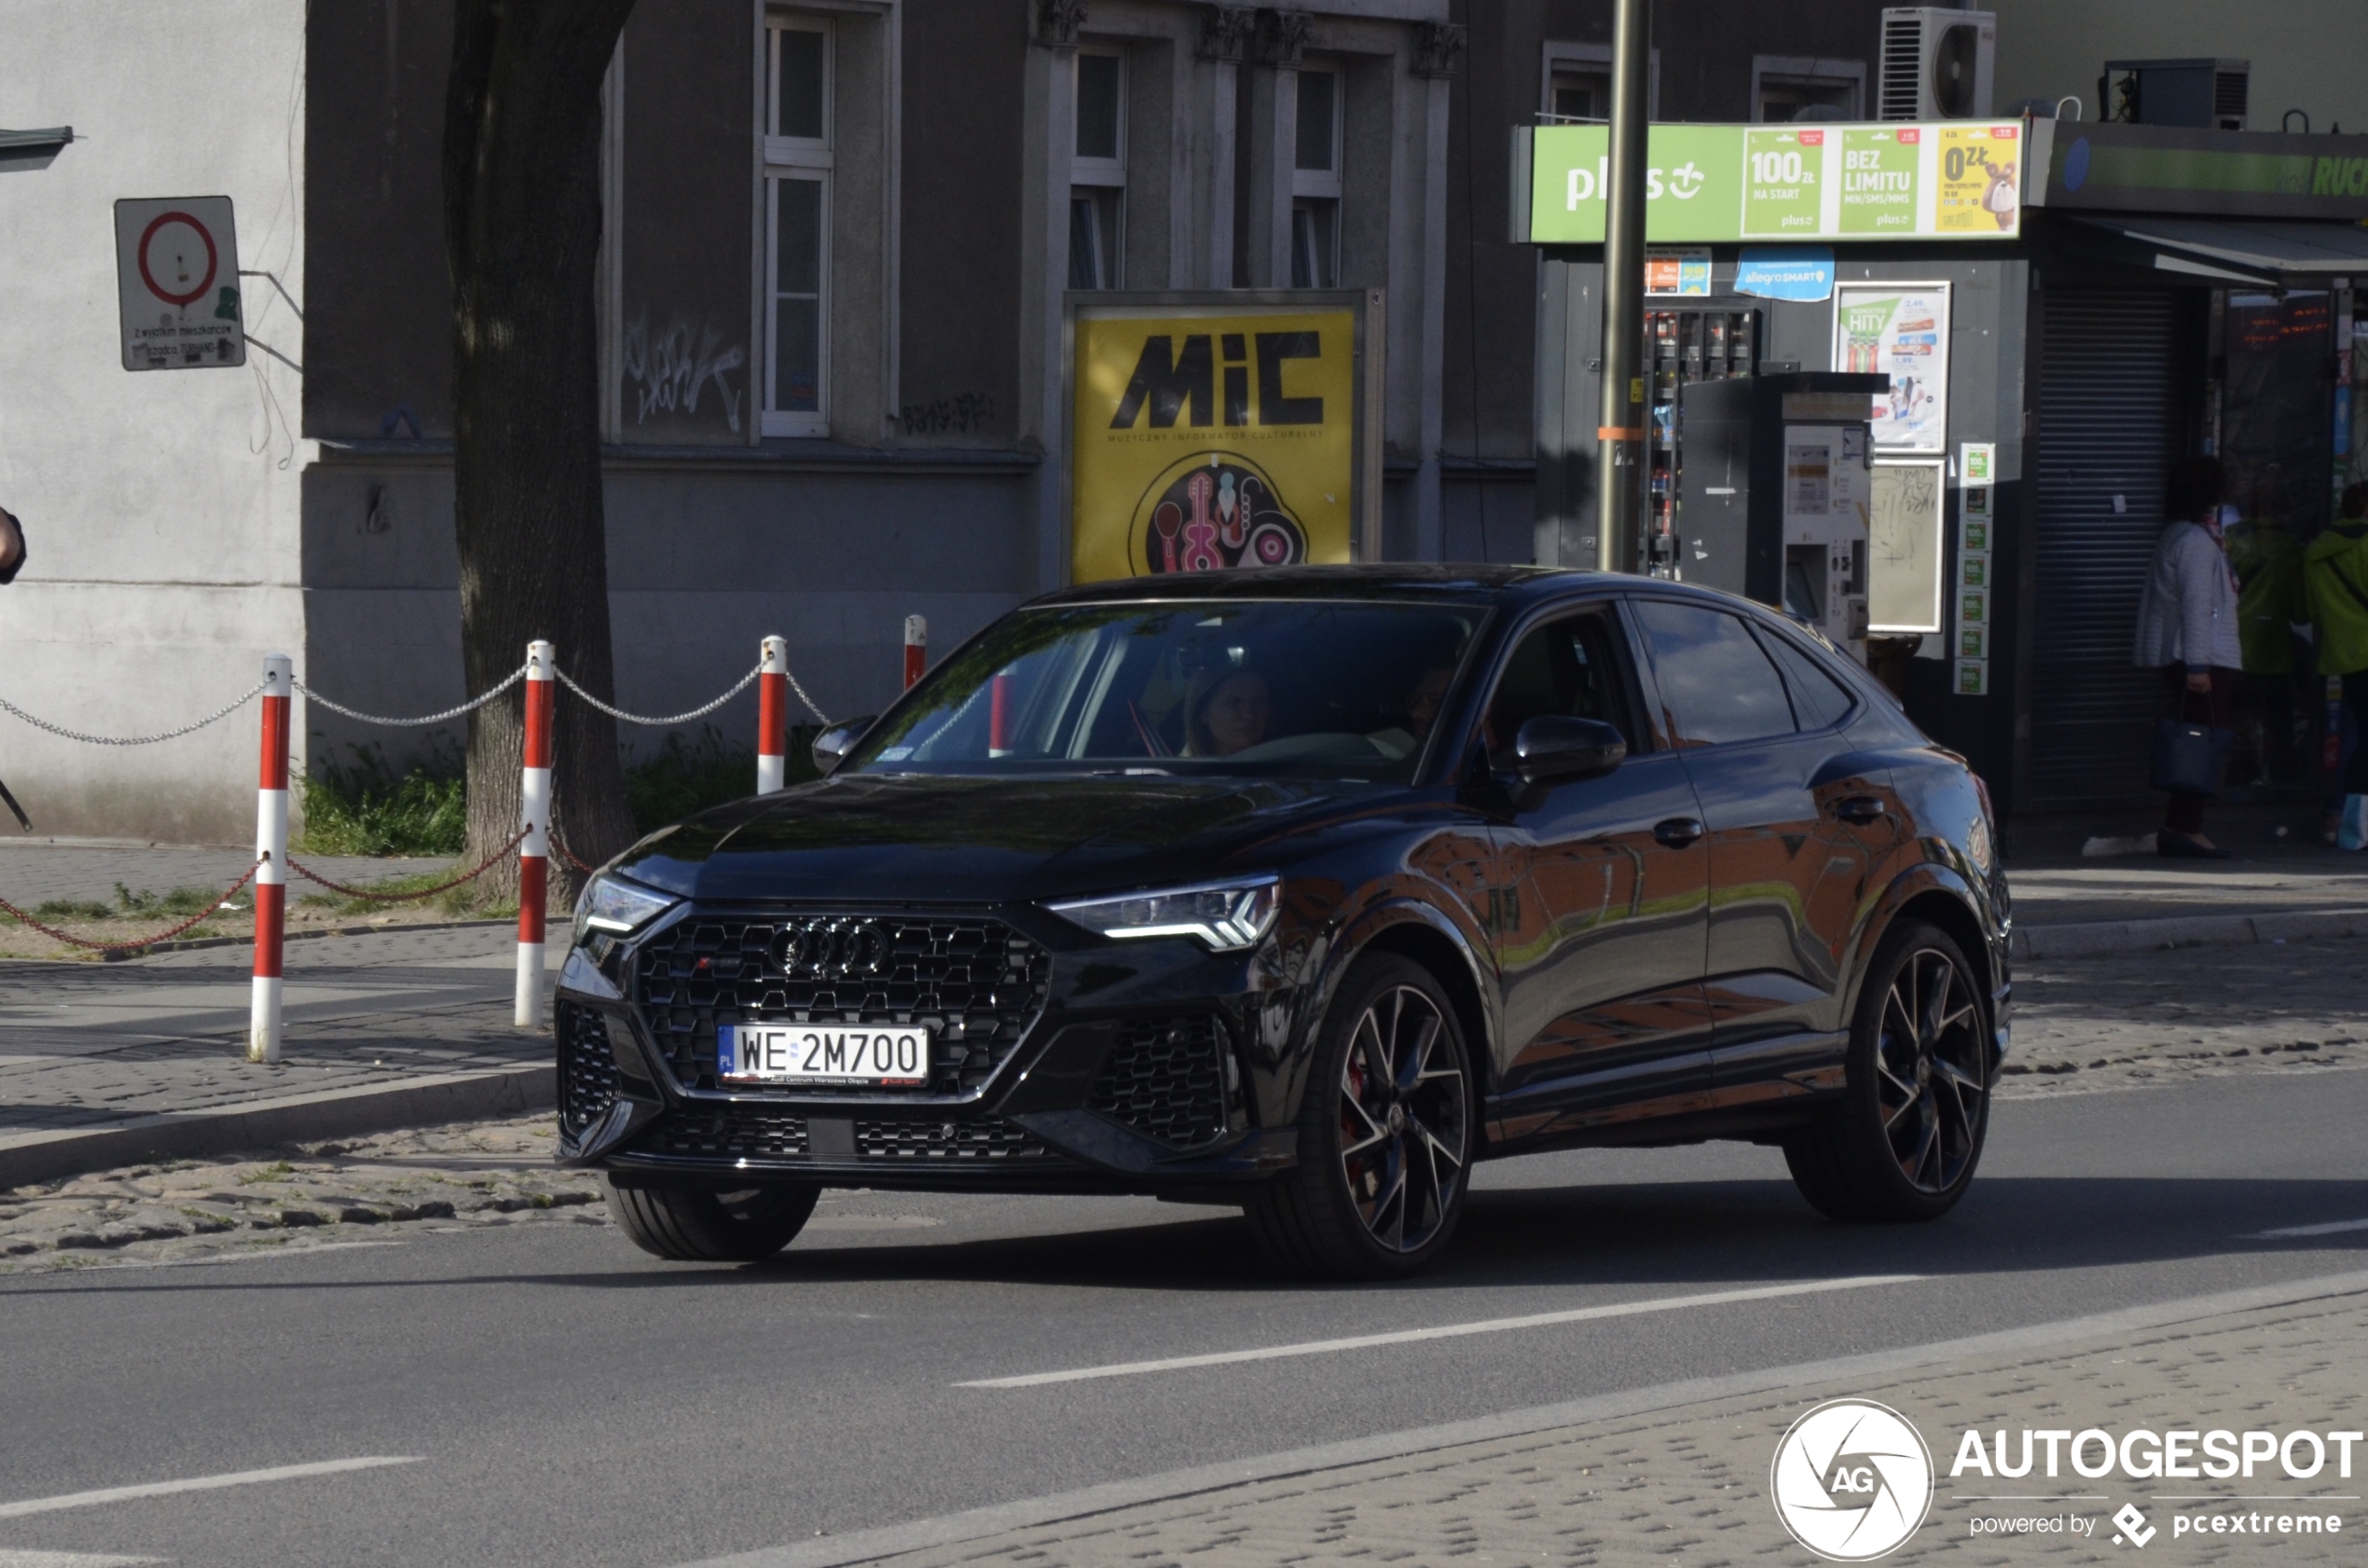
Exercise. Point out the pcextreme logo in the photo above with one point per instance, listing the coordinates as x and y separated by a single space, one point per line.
1852 1480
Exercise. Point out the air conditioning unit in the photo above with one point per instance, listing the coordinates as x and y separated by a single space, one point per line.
2211 93
1937 63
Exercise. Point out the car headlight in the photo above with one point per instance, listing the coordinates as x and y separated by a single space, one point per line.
1227 916
609 904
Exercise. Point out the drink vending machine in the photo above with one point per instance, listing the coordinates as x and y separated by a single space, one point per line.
1773 492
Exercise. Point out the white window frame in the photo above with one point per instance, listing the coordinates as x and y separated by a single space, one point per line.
1322 185
1101 180
809 159
1804 71
1593 60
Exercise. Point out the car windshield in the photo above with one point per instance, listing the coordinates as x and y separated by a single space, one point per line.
1307 689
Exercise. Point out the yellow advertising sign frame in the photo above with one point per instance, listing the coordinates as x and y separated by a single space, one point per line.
1221 429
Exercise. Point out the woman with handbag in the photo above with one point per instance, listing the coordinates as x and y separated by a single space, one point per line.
2335 582
2187 627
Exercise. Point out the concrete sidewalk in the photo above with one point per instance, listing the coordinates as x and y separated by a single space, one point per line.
103 1065
1682 1474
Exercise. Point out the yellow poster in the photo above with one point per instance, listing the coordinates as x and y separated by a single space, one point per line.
1980 176
1210 438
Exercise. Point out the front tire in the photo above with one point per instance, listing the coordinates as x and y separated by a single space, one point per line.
684 1222
1904 1141
1385 1133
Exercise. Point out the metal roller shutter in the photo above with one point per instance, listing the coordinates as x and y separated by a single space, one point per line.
2109 412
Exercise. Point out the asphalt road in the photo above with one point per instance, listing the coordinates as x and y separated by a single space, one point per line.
566 1401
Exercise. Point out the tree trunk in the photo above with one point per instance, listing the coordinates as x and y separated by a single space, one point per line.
522 235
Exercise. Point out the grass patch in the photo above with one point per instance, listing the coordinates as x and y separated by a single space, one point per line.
679 778
364 807
129 905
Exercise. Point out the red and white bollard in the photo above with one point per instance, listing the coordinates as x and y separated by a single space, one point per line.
534 850
271 849
772 715
916 649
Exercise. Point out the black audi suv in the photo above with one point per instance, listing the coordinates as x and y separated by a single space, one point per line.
1304 891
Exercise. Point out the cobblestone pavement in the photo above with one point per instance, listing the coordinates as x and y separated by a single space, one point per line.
86 1045
357 1190
1689 1485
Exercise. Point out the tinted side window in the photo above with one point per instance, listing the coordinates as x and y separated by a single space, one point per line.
1568 668
1716 685
1819 700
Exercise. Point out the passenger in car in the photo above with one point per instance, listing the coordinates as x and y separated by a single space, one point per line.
1228 711
1422 713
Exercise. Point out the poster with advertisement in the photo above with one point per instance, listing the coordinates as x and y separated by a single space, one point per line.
1216 431
1980 168
1900 330
1681 270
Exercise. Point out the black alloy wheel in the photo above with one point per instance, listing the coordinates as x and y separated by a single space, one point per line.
1385 1133
1903 1143
686 1222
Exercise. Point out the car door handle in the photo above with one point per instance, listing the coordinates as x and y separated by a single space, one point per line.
1678 831
1861 808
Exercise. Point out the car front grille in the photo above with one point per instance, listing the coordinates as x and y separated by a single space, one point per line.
1165 1079
974 982
728 1133
952 1142
740 1130
588 1069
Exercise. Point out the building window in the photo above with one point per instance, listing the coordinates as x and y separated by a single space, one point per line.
1575 95
1315 182
1575 84
1787 89
1097 171
797 227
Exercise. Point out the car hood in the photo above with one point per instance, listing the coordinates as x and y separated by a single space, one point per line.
925 838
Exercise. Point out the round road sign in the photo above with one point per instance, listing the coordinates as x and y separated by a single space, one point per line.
169 246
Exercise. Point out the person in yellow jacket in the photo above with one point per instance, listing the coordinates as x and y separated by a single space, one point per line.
2335 582
2269 561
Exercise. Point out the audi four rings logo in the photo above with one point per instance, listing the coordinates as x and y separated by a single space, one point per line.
833 949
1852 1479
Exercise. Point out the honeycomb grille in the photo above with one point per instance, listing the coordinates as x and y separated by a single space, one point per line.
729 1132
975 984
588 1069
1165 1079
950 1142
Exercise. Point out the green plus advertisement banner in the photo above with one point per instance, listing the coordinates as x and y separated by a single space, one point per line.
1962 179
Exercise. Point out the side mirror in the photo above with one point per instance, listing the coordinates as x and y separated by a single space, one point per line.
1554 750
833 744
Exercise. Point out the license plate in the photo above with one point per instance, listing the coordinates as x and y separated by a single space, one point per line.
822 1053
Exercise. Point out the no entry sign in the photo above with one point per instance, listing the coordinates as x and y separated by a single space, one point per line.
177 278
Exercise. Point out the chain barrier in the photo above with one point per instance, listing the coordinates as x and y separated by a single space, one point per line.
212 909
746 681
569 855
216 718
450 713
311 875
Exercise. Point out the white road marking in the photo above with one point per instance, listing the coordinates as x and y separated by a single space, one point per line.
2333 1229
70 1560
1447 1330
195 1483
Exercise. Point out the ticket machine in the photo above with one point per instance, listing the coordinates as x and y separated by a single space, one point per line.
1773 491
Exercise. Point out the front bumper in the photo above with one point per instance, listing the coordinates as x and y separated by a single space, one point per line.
1142 1066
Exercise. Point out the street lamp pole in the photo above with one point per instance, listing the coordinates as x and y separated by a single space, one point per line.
1620 471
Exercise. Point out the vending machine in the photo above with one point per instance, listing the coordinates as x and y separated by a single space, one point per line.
1773 492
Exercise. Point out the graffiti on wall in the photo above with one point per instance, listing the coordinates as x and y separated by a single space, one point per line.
945 416
668 371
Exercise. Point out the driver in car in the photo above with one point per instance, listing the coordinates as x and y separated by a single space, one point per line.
1227 715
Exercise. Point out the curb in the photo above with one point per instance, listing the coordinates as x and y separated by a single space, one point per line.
2096 938
27 1158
